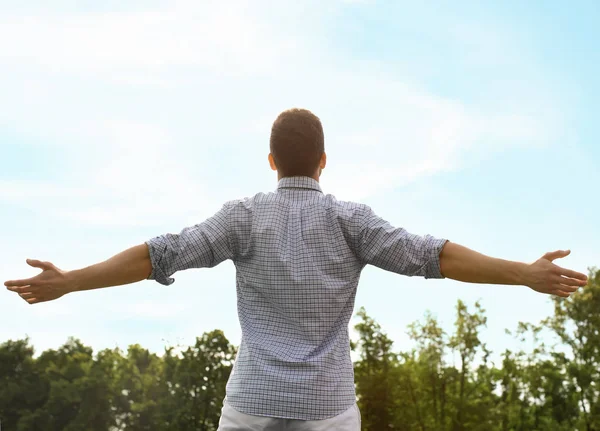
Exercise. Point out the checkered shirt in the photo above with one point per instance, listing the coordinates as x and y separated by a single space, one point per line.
298 255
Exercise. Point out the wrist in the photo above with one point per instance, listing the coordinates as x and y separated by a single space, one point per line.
522 271
73 281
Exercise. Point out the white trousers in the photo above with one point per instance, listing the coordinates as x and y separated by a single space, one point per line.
232 420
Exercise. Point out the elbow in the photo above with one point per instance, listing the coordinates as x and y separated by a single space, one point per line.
446 259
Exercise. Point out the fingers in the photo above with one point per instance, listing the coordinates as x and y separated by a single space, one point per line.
31 281
565 288
32 297
33 294
39 264
569 281
551 255
23 289
27 296
571 274
24 282
37 300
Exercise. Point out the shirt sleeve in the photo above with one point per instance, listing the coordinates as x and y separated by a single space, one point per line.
204 245
396 250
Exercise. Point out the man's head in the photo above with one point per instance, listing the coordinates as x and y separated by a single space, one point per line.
297 144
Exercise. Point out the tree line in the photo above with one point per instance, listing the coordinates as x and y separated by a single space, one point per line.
445 382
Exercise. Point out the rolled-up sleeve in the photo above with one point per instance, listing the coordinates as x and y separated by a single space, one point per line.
204 245
396 250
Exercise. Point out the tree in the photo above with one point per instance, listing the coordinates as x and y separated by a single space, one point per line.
197 381
426 364
78 393
141 391
22 386
373 374
576 322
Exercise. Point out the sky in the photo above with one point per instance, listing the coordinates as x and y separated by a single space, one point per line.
120 121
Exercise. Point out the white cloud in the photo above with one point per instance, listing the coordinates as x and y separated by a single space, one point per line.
73 79
231 38
25 190
133 180
399 134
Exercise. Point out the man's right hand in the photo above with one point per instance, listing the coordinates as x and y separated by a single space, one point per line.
50 284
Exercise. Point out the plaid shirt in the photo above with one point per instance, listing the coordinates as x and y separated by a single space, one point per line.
298 255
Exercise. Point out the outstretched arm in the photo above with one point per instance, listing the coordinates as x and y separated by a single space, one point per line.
463 264
199 246
394 249
127 267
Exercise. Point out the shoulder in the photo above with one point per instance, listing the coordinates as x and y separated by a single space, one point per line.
249 203
248 206
348 208
351 215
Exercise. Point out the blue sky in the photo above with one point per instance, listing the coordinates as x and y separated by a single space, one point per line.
467 121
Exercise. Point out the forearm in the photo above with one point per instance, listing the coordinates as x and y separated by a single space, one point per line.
463 264
129 266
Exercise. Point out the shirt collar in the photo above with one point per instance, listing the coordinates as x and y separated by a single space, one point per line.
299 183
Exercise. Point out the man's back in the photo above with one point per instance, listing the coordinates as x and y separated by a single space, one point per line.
298 255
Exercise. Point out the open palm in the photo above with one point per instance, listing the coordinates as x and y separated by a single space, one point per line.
546 277
50 284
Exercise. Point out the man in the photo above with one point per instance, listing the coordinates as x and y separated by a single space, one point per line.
298 255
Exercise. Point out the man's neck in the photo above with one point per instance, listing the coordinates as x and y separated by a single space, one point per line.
314 177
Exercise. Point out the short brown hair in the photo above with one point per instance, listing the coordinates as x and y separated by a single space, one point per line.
297 142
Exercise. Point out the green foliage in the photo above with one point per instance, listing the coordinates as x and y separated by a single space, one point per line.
372 374
446 382
70 389
22 386
196 382
549 388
